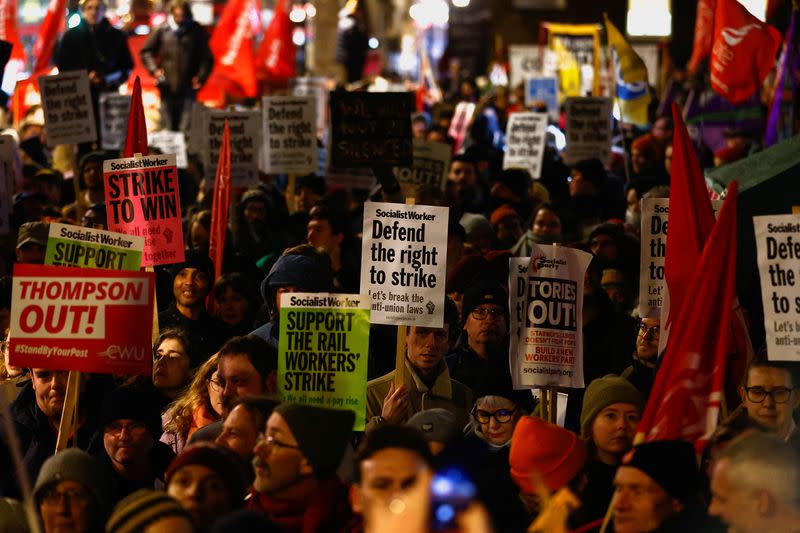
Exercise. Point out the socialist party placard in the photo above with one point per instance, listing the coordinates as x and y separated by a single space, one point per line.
289 133
143 200
67 318
404 263
778 245
549 344
525 137
69 245
68 111
323 349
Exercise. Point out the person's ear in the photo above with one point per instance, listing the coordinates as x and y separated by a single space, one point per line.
677 506
305 467
271 382
742 394
765 503
355 499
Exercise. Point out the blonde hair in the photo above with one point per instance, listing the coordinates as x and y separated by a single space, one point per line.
179 413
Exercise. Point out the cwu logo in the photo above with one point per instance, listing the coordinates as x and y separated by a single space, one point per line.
125 353
626 90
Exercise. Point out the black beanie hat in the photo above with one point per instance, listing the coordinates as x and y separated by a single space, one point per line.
195 259
223 461
132 404
483 292
671 464
321 434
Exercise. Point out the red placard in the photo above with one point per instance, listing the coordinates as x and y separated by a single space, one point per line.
90 320
142 199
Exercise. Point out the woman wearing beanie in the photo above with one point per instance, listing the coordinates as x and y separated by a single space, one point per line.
611 411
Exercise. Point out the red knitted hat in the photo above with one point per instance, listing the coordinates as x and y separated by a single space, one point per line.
557 454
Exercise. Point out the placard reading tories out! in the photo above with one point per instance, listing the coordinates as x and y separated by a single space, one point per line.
404 263
68 110
778 245
67 318
323 351
143 200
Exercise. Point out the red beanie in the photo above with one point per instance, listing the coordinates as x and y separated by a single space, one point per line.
557 454
504 211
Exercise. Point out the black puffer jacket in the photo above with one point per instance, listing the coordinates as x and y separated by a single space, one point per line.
102 48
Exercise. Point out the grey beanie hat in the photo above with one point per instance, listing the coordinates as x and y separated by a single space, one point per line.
437 424
74 465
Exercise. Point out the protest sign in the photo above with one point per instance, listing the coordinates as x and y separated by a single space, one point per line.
371 129
525 136
588 129
404 263
462 118
527 61
114 110
170 142
654 222
431 162
778 245
245 127
289 133
68 111
350 178
316 87
323 349
142 199
546 307
543 90
77 246
67 318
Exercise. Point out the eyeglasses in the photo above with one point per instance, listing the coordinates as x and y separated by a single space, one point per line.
216 384
480 313
501 415
133 428
272 442
759 394
54 497
644 330
169 357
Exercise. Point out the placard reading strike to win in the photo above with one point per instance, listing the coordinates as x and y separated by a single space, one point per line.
142 199
67 318
404 263
546 301
323 349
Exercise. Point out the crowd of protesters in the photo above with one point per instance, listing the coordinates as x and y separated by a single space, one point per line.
205 443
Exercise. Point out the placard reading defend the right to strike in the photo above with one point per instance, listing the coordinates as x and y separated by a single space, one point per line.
404 263
778 245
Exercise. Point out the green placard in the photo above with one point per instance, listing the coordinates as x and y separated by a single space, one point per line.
92 248
323 348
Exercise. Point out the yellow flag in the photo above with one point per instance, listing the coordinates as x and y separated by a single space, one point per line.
633 95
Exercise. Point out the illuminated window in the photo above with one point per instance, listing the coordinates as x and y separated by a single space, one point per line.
649 18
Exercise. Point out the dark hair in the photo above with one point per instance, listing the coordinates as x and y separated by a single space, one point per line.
259 407
451 319
262 355
239 283
323 210
390 436
761 361
175 333
462 158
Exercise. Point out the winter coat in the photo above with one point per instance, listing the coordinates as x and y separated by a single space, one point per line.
182 51
102 48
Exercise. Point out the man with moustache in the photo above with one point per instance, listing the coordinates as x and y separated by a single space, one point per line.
295 465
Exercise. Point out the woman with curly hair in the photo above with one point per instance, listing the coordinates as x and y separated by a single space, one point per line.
199 406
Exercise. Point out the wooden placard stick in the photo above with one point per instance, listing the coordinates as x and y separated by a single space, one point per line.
156 329
67 424
400 353
553 404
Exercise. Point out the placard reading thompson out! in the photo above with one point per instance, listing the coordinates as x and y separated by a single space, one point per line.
323 347
142 199
76 246
404 263
67 318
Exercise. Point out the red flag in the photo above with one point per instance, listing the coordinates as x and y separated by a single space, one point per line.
684 403
136 138
52 24
275 59
703 33
8 28
232 45
220 203
743 53
691 219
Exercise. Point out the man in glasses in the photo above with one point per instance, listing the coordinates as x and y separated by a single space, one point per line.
483 351
295 464
770 396
642 372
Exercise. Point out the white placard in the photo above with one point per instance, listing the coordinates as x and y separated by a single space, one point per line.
526 61
318 88
431 163
245 127
114 111
170 142
404 263
778 245
547 302
68 111
289 133
525 136
588 129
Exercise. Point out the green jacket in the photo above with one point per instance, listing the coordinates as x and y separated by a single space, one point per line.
446 393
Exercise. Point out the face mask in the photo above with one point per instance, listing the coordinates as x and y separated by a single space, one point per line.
634 218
